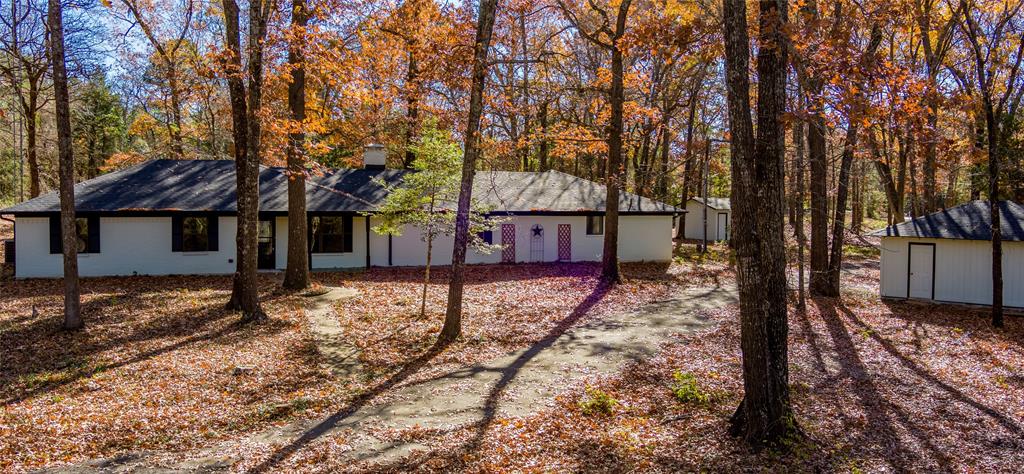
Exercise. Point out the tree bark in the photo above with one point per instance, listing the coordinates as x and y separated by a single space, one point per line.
69 234
799 138
453 314
687 162
613 173
245 116
818 160
835 261
32 151
764 417
296 275
412 107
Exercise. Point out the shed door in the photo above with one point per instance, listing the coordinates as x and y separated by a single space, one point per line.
508 241
922 271
723 226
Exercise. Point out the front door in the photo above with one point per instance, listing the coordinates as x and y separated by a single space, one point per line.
564 242
922 271
508 242
265 248
723 226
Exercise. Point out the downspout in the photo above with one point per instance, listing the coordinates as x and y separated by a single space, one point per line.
367 227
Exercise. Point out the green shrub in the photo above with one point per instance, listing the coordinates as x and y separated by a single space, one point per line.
596 401
687 390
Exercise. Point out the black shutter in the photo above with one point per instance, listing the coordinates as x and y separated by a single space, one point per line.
346 225
212 233
487 236
93 222
56 246
176 230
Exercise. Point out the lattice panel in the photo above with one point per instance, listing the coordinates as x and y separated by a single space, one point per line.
508 241
564 242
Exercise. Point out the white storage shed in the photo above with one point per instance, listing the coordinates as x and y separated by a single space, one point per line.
947 256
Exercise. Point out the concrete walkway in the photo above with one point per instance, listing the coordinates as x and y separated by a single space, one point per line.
340 357
518 384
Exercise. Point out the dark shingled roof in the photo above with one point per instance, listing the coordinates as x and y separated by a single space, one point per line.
209 186
969 221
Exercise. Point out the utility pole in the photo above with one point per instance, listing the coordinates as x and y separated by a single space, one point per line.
707 177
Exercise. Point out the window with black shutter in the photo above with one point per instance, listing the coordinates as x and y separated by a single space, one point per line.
595 225
331 234
87 235
194 233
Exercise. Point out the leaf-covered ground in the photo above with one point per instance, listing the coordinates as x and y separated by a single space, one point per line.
506 307
155 368
877 387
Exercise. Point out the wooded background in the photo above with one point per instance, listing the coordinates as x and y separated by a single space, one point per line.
148 81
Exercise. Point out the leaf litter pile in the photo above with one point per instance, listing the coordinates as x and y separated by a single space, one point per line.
161 366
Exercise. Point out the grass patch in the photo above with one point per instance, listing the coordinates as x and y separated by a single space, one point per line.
72 369
687 390
597 402
861 251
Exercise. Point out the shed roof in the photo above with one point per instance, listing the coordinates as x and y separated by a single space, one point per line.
968 221
721 204
209 186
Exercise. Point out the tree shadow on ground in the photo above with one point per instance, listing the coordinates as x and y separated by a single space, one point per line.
491 401
1007 423
885 417
508 374
954 316
48 357
882 415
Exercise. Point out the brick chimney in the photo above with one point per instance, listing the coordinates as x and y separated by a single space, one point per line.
374 156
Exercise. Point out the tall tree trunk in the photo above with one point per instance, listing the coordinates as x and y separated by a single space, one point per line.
296 275
542 152
453 314
32 153
69 234
688 162
177 147
800 139
765 416
835 261
613 173
412 107
993 202
857 204
662 190
819 204
245 115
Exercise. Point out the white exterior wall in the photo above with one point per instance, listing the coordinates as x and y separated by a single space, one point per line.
355 258
963 270
142 245
128 246
695 219
641 238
